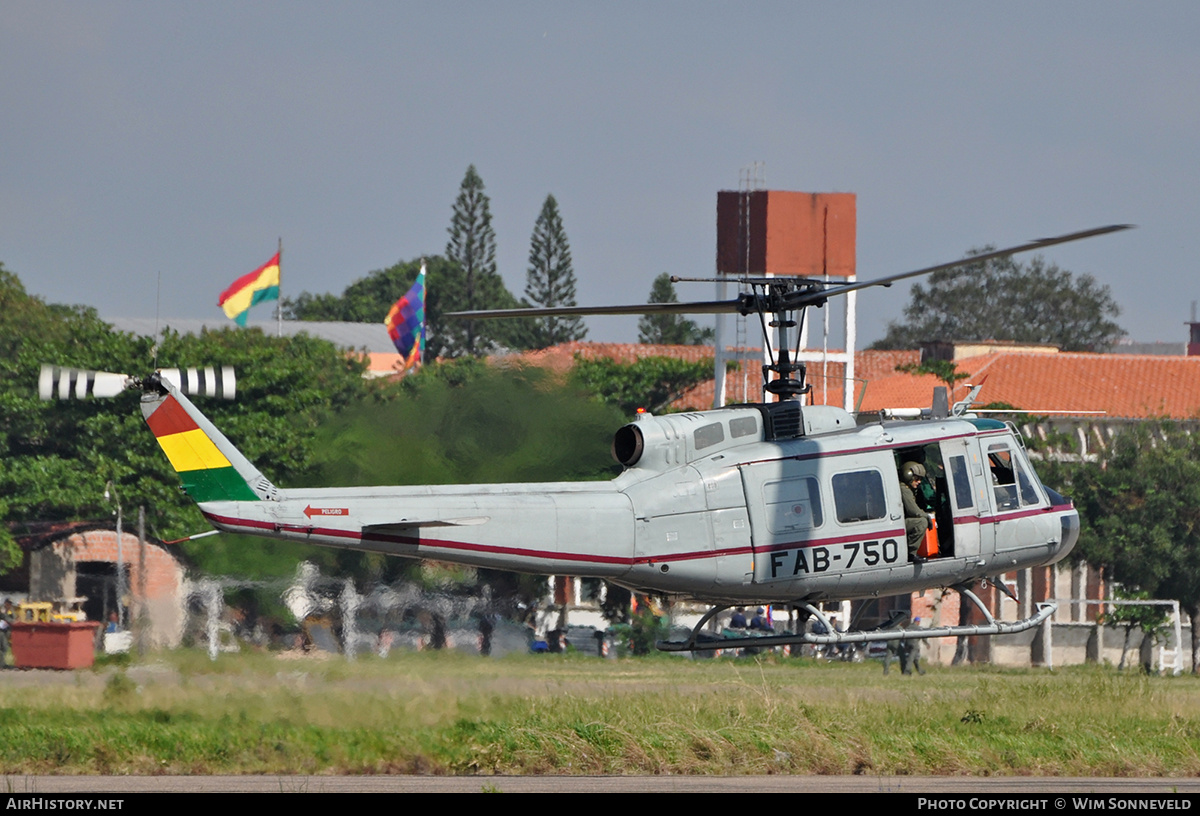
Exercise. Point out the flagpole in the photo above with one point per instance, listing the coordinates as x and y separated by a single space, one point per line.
279 303
421 346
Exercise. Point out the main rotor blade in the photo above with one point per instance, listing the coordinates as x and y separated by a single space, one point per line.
709 307
812 294
813 298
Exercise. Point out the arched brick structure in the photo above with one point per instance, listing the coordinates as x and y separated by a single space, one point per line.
154 588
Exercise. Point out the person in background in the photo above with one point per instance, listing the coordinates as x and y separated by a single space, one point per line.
913 654
8 614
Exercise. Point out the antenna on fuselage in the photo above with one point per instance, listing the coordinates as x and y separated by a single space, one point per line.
962 406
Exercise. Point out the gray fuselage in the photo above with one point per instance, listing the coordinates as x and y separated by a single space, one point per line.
712 510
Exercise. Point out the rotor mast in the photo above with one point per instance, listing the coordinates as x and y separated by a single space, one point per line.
790 372
791 242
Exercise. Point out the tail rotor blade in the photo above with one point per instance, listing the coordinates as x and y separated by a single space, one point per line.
66 383
209 381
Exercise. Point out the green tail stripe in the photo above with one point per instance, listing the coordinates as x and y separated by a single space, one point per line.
217 484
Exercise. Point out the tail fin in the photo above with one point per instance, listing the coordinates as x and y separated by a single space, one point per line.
210 467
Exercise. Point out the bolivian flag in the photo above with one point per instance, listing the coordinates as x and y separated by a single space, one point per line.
261 284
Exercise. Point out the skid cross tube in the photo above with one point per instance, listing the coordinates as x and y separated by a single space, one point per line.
991 627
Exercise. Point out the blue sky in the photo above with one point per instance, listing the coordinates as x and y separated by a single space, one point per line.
187 138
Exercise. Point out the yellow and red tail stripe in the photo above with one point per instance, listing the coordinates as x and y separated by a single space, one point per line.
206 473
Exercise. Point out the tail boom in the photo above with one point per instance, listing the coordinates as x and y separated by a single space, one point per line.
584 529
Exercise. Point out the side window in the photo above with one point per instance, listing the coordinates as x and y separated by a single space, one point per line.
962 483
859 496
743 426
709 435
792 504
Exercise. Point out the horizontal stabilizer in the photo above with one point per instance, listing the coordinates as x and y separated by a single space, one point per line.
408 525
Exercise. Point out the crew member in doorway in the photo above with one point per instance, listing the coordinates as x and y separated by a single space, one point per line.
916 520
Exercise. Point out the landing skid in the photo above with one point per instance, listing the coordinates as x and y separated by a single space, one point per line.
699 641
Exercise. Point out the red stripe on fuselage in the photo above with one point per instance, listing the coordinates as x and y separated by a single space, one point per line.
547 554
432 543
826 542
1015 514
461 546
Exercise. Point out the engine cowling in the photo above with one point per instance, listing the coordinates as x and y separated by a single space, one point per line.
661 442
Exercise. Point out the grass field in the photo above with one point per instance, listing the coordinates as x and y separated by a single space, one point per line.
450 713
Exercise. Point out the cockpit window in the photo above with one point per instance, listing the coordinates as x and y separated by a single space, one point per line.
1029 494
1004 482
1010 479
859 496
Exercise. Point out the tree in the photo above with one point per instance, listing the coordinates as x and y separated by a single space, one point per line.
1140 514
1005 300
51 467
1151 620
368 299
474 283
669 329
57 456
651 383
550 280
469 422
944 370
465 279
464 421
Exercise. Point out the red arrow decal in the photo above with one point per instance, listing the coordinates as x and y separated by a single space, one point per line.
311 511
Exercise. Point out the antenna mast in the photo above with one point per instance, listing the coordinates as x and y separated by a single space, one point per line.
753 181
157 312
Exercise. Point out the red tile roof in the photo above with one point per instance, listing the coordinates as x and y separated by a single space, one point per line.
381 364
826 379
743 380
1121 385
562 356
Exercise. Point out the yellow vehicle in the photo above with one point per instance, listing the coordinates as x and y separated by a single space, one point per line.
34 612
68 610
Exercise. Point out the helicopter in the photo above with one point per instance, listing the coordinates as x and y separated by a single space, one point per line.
777 502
